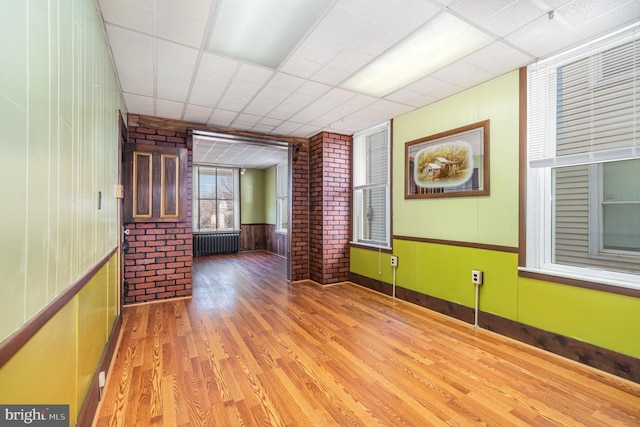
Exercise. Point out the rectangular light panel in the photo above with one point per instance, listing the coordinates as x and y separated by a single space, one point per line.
440 42
262 32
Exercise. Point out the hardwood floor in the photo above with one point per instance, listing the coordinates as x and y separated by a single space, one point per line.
251 349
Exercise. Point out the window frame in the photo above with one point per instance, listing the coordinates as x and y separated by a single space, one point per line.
196 199
282 199
357 208
537 195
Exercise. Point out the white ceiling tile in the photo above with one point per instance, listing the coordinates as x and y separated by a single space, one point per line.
307 131
604 15
183 21
407 15
463 74
372 10
544 36
376 40
196 113
175 60
479 10
206 96
244 87
246 120
139 104
285 81
341 26
299 66
254 73
361 101
313 88
261 106
172 89
317 49
350 60
287 128
222 117
407 97
514 16
331 76
499 58
274 93
270 122
217 64
136 15
234 101
285 111
169 109
131 50
339 95
433 87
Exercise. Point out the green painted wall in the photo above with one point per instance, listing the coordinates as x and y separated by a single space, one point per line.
270 195
252 197
444 271
59 102
490 219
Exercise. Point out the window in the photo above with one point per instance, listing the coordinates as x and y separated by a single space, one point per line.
583 180
371 190
216 205
282 198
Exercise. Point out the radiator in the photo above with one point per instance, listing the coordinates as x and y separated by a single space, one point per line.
216 243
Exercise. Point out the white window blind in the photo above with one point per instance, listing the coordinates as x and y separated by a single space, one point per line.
583 192
371 175
282 191
583 105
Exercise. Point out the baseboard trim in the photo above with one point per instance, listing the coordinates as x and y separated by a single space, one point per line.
618 364
92 399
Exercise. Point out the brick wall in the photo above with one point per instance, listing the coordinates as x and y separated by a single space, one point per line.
300 215
329 207
159 260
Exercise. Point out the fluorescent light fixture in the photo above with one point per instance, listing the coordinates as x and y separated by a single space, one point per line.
262 32
440 42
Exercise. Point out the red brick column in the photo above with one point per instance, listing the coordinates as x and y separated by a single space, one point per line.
300 216
159 260
329 207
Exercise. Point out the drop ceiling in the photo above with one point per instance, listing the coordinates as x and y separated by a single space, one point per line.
164 69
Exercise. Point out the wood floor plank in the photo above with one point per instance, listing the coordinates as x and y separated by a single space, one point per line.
251 349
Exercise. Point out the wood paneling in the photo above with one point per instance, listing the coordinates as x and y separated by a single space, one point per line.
251 348
253 237
256 237
155 183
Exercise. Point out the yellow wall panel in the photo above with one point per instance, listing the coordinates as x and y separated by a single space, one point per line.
44 370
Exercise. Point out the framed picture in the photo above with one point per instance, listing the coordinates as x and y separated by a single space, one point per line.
454 163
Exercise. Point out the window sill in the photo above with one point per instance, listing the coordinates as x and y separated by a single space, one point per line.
618 283
371 247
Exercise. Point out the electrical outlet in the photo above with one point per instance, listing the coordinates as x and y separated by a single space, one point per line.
476 277
394 261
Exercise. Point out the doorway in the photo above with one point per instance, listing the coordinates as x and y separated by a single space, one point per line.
242 185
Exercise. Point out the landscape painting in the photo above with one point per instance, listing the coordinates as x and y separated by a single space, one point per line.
449 164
